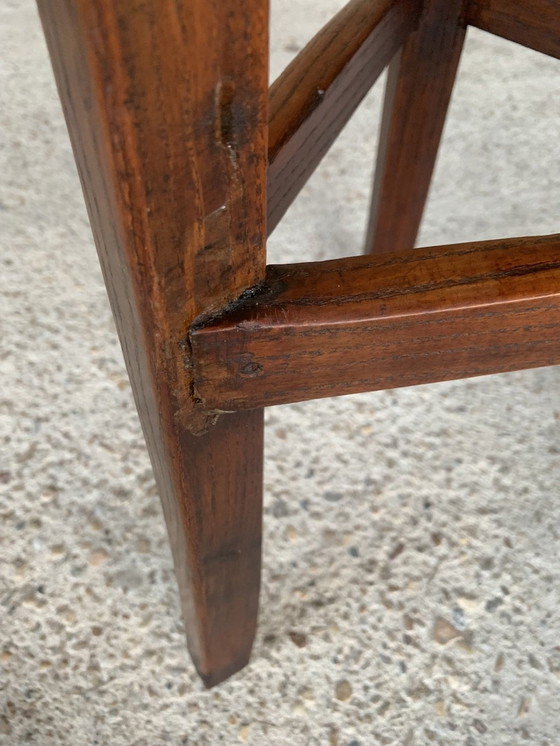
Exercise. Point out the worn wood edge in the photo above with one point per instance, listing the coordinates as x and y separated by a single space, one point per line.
532 23
286 307
151 318
311 101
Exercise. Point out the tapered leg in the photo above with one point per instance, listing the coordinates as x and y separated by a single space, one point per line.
219 577
165 102
417 95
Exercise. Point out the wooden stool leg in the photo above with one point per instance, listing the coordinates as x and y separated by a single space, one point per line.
418 91
165 102
218 542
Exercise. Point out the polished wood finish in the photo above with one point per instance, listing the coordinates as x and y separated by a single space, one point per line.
317 93
166 104
417 95
400 319
532 23
166 107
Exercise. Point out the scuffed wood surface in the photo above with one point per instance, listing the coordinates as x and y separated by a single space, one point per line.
166 107
360 324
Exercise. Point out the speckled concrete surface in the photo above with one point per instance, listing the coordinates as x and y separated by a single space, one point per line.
411 566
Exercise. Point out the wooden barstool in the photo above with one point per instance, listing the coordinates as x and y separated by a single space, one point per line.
187 161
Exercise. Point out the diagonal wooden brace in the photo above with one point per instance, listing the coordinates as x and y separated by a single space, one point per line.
316 95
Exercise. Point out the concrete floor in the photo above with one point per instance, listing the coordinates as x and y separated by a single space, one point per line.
411 571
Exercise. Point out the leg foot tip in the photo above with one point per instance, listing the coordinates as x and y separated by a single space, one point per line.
211 678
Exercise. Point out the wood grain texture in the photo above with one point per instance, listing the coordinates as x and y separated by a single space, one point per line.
166 107
532 23
315 96
417 95
366 323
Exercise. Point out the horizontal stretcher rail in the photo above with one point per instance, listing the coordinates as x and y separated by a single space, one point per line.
532 23
366 323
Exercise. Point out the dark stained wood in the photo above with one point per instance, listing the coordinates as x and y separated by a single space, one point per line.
317 93
165 103
366 323
417 95
532 23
